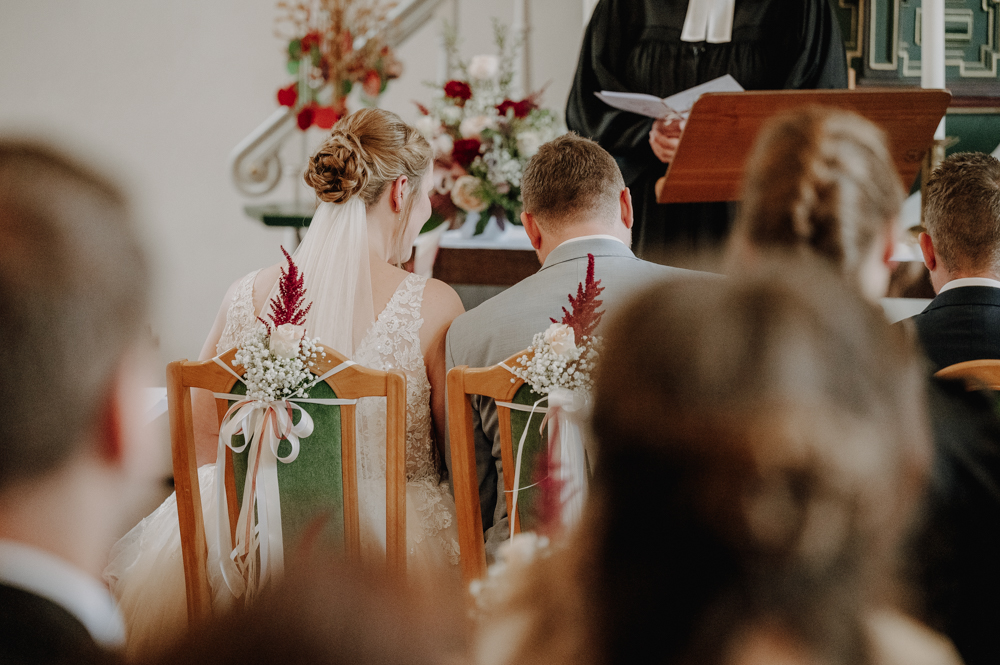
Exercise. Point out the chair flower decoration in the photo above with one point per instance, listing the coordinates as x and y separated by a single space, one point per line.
276 361
559 366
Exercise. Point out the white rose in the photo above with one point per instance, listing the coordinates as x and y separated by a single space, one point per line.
285 340
528 143
443 144
522 548
473 127
463 194
484 66
561 338
427 125
450 115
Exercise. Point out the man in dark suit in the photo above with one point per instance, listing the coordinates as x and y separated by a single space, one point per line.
962 251
73 292
575 204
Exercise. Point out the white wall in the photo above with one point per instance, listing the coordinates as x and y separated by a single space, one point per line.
158 93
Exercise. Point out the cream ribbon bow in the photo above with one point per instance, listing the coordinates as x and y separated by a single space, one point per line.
709 21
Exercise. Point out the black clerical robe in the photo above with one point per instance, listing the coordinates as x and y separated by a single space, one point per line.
635 46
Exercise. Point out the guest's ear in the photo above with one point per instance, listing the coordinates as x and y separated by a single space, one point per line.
121 440
625 199
927 249
531 228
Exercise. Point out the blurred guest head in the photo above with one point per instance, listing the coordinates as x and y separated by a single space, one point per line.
73 295
822 181
962 217
572 188
329 612
761 443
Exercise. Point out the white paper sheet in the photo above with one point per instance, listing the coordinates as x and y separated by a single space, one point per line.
678 105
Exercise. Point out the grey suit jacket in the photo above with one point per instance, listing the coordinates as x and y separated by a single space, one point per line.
506 324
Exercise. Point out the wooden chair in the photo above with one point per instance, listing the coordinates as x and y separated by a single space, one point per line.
977 374
353 382
497 383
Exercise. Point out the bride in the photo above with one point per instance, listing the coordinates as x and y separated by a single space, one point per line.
369 177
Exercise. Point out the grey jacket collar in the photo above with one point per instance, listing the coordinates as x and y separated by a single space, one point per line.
577 250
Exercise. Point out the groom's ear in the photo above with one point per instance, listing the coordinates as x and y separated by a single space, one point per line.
531 228
625 199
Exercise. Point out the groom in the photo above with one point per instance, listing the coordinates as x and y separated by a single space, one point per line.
575 203
73 296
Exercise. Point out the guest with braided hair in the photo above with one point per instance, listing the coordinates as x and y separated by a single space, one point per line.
821 182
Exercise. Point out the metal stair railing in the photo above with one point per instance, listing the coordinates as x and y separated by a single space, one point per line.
254 164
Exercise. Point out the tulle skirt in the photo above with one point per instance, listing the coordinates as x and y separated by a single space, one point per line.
146 570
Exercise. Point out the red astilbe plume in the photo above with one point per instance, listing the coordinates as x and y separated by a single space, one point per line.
286 307
585 315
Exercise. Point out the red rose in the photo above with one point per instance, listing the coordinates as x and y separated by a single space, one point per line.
311 39
305 117
465 150
521 109
372 84
287 96
325 117
459 90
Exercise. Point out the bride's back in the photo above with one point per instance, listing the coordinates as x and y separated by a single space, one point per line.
369 178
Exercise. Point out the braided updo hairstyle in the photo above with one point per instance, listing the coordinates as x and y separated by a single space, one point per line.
821 181
365 152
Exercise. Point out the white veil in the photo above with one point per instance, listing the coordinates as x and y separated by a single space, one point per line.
333 257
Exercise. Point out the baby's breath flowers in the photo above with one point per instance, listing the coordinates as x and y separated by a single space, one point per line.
558 362
271 377
566 354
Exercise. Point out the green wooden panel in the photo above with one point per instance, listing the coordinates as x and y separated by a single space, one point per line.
532 457
892 40
978 132
311 487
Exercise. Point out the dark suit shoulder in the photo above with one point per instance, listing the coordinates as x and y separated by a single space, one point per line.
960 324
36 630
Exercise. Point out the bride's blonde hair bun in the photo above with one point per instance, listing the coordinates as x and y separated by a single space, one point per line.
365 152
338 170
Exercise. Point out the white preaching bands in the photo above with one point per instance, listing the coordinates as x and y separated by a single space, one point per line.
709 21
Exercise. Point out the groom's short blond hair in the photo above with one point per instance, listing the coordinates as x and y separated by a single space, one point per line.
569 178
73 296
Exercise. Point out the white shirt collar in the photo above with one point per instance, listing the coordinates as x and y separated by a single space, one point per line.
46 575
970 281
709 21
594 237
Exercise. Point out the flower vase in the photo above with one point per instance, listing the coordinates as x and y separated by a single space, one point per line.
491 231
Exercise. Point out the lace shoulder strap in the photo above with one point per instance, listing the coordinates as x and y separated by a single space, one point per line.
409 297
240 317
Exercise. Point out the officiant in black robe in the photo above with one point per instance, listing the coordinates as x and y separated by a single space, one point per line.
645 46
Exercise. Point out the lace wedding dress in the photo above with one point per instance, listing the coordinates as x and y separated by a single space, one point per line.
146 572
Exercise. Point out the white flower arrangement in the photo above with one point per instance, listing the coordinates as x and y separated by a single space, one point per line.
277 368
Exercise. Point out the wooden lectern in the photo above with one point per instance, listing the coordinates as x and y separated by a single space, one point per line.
722 128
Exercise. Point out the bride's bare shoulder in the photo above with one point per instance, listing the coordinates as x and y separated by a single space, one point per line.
441 302
263 283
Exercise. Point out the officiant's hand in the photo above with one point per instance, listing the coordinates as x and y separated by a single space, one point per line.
665 137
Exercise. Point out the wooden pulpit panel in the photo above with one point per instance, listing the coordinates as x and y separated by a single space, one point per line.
722 128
